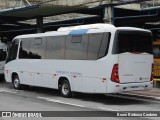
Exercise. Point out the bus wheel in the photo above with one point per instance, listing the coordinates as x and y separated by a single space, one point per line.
65 89
16 82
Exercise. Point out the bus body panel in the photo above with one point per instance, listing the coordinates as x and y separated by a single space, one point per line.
87 76
135 68
83 80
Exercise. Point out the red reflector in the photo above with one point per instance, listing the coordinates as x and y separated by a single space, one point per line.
117 85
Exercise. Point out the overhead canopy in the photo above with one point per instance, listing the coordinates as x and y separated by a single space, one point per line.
33 11
11 19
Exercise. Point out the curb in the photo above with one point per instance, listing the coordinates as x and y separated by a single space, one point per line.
140 96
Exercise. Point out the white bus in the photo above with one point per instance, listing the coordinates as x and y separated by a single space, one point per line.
2 57
96 58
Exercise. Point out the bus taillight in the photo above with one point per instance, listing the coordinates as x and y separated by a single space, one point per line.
152 73
115 75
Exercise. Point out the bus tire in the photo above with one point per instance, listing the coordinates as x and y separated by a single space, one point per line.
65 89
16 82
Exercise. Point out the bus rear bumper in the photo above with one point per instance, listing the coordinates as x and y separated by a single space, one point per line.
113 87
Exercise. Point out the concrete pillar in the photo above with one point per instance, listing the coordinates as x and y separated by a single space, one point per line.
109 15
39 21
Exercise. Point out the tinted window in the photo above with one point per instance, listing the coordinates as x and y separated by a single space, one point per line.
2 54
104 45
94 44
12 54
55 47
38 41
77 39
132 41
76 47
37 48
24 48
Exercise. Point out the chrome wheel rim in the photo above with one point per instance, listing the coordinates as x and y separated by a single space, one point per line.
16 83
65 89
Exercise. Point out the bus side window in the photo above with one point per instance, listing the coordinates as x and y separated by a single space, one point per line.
95 40
37 48
76 47
104 45
55 48
24 48
12 55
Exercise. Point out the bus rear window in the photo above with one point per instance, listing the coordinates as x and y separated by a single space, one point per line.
133 42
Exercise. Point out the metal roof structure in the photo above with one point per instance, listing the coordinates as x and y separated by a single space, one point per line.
33 11
12 19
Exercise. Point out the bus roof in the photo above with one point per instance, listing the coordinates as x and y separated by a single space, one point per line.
74 30
90 26
132 28
81 29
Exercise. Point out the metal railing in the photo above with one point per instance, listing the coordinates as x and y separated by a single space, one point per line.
150 4
156 68
156 78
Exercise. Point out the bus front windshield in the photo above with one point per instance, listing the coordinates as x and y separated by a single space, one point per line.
12 54
2 55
